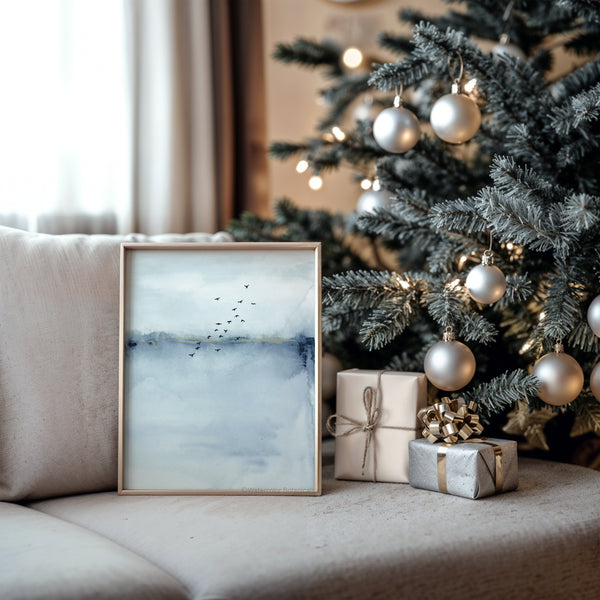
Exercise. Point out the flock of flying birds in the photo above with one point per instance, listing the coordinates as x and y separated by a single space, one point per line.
224 326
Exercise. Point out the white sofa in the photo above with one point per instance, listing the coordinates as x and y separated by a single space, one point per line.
66 534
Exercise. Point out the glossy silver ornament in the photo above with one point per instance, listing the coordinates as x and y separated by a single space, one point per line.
508 49
593 315
561 377
486 283
371 200
449 364
396 129
595 381
455 118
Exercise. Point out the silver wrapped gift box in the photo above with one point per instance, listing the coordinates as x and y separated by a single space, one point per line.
376 417
472 469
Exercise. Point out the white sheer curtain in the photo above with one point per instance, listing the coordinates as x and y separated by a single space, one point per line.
106 123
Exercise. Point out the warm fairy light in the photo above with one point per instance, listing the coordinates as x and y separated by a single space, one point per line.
352 57
376 185
454 284
510 246
315 183
302 166
525 347
404 284
470 85
365 184
542 316
462 260
338 133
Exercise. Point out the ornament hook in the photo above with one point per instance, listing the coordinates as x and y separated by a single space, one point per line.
397 97
460 68
448 334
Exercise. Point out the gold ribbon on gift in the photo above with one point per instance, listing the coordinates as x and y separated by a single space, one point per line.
450 420
371 401
498 475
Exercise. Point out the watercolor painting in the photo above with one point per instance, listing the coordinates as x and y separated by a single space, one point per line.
219 369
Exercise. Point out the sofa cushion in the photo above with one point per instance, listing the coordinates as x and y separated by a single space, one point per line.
45 558
59 332
365 540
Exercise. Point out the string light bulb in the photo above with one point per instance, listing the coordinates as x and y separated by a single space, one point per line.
302 166
338 133
470 85
352 57
365 184
315 182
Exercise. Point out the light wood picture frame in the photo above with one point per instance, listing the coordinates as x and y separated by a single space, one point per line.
219 369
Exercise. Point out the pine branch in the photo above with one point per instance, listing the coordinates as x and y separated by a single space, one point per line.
335 319
367 289
458 215
588 9
502 392
285 150
411 70
517 182
529 223
562 304
395 43
577 112
390 225
340 96
311 54
386 323
578 80
580 212
519 289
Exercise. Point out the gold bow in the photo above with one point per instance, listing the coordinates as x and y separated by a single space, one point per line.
450 420
373 414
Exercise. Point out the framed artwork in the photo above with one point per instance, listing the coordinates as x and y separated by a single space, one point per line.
219 378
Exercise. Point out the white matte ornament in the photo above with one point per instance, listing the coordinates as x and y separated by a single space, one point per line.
593 315
455 118
449 364
595 381
371 200
486 283
396 129
561 377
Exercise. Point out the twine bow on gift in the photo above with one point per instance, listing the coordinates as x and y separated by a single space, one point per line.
449 420
371 401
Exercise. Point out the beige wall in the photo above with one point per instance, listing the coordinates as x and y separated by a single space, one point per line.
291 94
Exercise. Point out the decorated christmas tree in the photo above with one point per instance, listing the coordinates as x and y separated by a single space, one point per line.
484 159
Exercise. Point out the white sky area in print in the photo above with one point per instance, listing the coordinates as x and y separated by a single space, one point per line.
174 291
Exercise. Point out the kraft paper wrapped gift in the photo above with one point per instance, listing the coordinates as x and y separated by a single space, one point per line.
375 419
472 469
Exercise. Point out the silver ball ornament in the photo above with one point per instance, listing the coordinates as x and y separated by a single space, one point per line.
371 200
486 283
593 315
506 49
561 377
595 381
455 118
396 129
449 364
